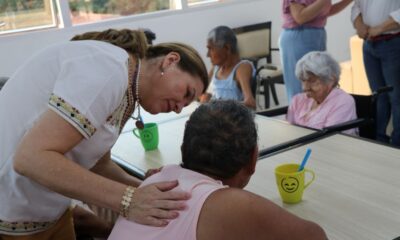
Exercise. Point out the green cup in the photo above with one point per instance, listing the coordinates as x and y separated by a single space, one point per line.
148 136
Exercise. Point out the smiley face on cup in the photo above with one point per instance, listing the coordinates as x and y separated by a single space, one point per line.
289 184
148 136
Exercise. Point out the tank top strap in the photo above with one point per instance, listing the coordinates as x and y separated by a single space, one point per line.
241 62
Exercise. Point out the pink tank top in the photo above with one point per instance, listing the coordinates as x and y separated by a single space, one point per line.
317 22
182 228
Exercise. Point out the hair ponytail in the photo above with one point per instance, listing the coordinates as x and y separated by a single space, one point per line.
132 41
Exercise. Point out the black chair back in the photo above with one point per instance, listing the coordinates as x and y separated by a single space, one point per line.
366 109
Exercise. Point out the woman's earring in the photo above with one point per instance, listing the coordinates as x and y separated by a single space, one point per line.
162 73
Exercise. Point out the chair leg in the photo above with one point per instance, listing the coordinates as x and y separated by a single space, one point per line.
266 93
258 91
273 91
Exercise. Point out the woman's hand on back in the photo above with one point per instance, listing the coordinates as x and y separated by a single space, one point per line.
157 203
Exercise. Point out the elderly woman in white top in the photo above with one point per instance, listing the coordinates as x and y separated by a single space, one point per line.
322 103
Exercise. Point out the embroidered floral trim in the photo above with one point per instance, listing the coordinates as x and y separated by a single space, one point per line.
24 227
116 119
73 114
123 112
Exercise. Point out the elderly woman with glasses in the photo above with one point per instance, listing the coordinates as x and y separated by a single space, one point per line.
322 102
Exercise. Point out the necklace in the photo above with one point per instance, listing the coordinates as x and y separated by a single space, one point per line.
135 88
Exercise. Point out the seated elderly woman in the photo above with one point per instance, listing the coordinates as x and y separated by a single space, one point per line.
322 104
219 154
230 76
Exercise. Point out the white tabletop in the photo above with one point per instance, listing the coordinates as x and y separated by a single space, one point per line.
161 117
356 193
129 149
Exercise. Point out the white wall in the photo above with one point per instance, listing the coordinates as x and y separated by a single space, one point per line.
190 26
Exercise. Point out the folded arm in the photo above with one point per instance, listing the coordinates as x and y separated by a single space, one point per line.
339 6
303 14
361 28
388 25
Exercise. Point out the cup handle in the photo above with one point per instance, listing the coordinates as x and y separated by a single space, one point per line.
312 179
135 132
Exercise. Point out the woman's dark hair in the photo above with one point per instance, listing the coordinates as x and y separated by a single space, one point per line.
132 41
135 43
190 61
219 139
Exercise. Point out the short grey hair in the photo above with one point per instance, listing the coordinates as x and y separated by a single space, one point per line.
223 35
321 64
219 138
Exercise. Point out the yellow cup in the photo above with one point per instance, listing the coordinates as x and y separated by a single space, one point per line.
290 182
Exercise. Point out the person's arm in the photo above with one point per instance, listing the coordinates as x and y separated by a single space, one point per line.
357 20
339 6
40 157
361 28
206 97
302 14
109 169
244 76
222 219
388 25
87 223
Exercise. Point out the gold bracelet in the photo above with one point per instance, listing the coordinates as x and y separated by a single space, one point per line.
126 201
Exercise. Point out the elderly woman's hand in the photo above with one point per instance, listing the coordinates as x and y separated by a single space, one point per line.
157 203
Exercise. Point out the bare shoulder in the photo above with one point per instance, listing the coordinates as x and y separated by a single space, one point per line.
238 214
244 72
246 67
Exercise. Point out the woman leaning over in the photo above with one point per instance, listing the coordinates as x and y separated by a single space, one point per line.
61 113
303 31
322 104
230 76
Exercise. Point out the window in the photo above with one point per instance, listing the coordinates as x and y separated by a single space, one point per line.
23 15
19 15
85 11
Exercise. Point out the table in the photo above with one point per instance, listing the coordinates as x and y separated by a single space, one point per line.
129 152
161 117
356 193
